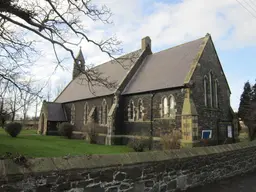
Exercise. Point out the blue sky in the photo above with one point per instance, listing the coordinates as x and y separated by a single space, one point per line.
169 23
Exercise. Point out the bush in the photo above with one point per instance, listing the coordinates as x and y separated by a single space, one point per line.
65 129
13 129
90 133
171 140
139 143
92 136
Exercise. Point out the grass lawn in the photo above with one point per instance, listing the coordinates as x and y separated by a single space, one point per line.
51 146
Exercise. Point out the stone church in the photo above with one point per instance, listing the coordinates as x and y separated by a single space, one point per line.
183 87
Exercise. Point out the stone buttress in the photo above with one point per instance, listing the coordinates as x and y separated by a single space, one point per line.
111 120
189 122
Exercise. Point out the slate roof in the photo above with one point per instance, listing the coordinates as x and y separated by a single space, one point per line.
55 112
165 69
79 89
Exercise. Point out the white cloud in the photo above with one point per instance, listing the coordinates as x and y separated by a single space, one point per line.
167 24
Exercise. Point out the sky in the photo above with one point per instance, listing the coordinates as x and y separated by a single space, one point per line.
169 23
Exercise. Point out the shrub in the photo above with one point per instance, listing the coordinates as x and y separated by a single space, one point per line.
139 143
65 129
171 140
91 133
13 129
92 136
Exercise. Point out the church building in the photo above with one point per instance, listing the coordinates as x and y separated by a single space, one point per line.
183 87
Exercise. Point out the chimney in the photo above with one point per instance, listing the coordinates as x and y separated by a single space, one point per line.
146 43
79 64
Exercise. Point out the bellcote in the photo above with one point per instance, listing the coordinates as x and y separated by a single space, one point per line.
79 64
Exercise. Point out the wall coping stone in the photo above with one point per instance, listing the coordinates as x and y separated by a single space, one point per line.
42 165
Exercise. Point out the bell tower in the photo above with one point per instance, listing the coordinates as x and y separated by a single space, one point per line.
79 64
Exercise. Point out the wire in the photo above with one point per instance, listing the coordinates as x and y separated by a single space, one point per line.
249 5
252 2
246 9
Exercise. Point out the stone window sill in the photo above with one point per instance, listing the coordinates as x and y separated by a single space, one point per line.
167 117
211 109
136 121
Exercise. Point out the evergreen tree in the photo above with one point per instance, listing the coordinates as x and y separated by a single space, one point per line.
245 101
254 92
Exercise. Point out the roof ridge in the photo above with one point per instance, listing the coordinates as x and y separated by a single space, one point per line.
179 45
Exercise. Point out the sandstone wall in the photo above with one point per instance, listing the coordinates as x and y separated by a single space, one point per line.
147 171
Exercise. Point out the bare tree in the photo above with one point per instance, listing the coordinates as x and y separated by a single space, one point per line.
26 102
56 21
60 86
36 108
49 91
13 103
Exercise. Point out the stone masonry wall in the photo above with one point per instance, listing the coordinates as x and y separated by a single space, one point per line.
142 127
210 116
79 111
133 172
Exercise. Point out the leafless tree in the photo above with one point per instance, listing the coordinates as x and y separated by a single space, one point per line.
26 100
56 21
60 87
49 91
13 103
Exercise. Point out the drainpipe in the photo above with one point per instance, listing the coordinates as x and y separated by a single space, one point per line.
151 120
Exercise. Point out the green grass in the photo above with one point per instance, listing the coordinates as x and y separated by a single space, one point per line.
51 146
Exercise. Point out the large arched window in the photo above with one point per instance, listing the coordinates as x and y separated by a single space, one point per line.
73 113
104 112
140 109
165 106
86 112
206 91
211 89
216 89
131 113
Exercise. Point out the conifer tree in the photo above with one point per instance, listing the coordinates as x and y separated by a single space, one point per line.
245 101
254 92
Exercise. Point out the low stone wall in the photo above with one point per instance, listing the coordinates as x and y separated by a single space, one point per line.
138 172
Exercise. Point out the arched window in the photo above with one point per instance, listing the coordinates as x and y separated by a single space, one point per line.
205 91
104 112
131 110
211 89
140 109
165 107
171 106
172 102
73 113
216 99
86 112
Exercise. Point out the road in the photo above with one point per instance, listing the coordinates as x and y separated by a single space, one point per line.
245 183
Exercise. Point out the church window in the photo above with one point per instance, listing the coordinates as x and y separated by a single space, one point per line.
73 112
211 89
86 112
140 109
216 89
165 107
172 102
205 91
131 110
171 105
